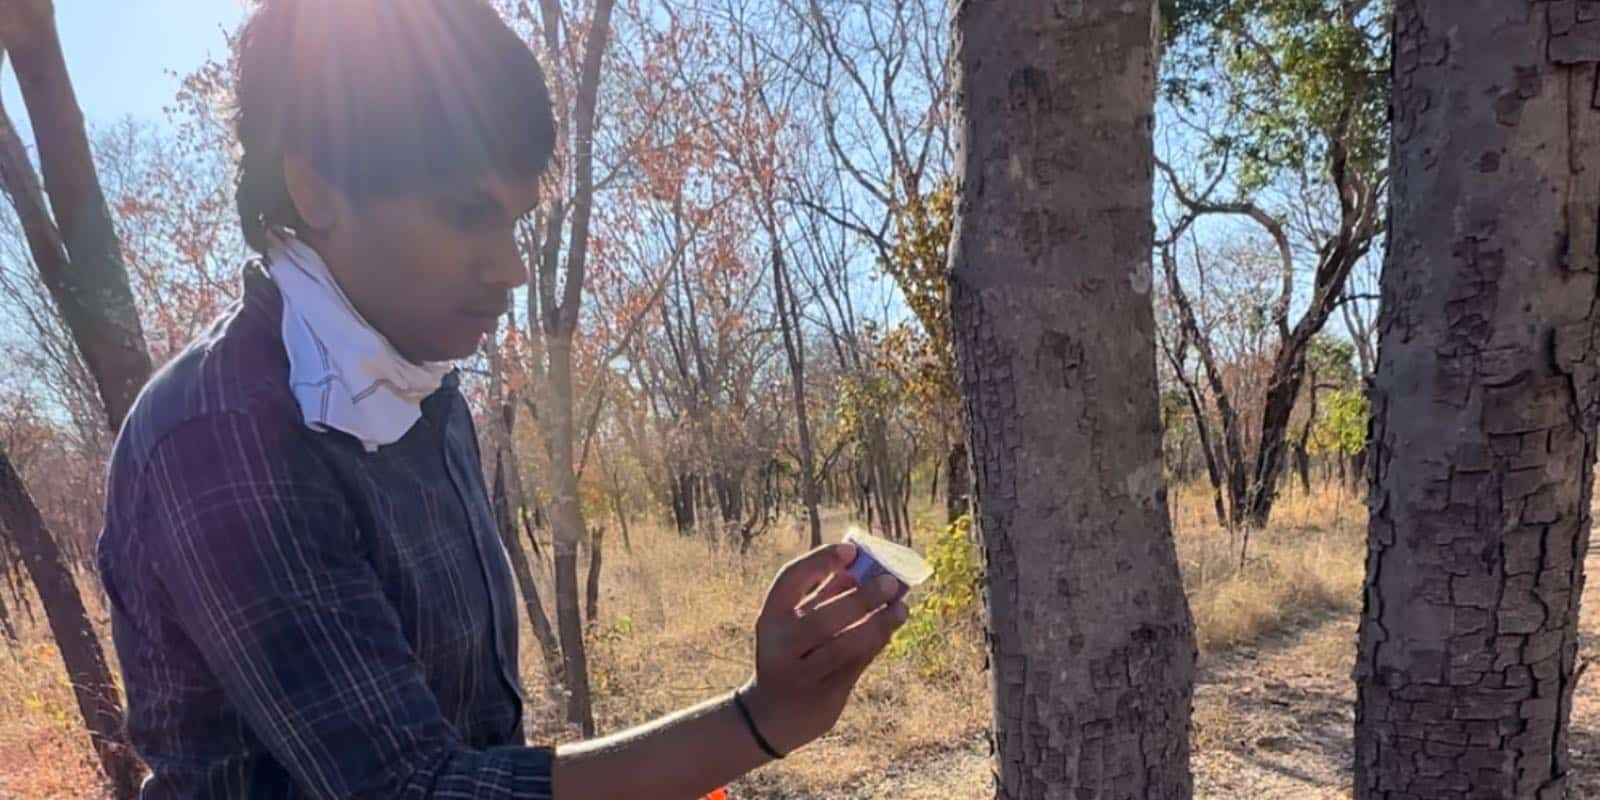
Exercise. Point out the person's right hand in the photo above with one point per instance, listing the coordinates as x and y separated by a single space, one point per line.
817 633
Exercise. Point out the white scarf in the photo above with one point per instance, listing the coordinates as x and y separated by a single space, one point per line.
345 375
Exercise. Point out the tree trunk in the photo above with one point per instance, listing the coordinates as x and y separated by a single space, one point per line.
1483 405
622 521
1213 469
1231 465
7 627
794 349
87 670
549 649
681 488
1279 406
592 587
1302 446
958 481
568 524
1090 636
78 255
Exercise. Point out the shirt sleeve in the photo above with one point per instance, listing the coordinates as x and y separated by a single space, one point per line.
265 571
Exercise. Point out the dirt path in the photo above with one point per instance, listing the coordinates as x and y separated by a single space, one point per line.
1274 720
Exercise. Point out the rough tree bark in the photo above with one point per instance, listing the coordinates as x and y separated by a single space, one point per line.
1484 403
1090 636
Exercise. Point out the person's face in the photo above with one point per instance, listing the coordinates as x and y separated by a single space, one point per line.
431 270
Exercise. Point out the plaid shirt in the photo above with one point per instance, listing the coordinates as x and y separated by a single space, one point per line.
296 617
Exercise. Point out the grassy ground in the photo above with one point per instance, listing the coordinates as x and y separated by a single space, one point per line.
674 629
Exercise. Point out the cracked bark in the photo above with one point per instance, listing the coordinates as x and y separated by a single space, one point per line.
1089 634
1483 404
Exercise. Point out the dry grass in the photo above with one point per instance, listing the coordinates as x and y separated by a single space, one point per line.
44 752
1309 562
674 629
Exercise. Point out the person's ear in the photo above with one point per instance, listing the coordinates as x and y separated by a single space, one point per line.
320 206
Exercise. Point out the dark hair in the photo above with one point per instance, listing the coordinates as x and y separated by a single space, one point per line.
381 96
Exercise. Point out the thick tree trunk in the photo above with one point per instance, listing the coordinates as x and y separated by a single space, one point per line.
87 670
1483 405
1090 636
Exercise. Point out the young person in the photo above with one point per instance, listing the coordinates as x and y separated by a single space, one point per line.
309 596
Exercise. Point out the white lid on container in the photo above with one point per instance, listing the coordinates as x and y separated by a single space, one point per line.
899 560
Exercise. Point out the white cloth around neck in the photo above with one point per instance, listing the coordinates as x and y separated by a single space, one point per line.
344 374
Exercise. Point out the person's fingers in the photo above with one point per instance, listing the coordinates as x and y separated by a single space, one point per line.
846 677
836 584
829 619
798 577
856 647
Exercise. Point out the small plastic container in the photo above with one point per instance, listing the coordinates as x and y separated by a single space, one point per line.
876 556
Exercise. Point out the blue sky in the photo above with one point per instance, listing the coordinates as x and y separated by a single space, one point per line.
122 53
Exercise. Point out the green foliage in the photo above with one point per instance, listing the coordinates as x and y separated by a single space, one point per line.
1175 411
1343 424
922 229
1332 361
1306 80
949 601
863 402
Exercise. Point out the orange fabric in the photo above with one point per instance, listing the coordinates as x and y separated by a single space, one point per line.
720 794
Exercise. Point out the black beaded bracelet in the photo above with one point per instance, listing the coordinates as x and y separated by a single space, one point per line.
750 722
